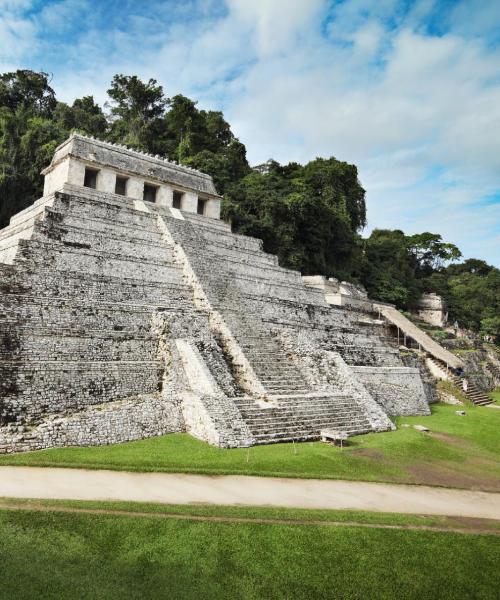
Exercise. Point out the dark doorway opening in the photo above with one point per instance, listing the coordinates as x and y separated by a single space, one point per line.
177 199
149 192
121 185
202 203
90 179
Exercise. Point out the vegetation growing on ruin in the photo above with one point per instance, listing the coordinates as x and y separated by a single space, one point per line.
458 452
310 215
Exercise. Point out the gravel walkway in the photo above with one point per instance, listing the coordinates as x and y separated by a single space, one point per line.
166 488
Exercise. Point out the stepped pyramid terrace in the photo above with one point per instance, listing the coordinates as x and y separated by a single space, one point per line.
128 309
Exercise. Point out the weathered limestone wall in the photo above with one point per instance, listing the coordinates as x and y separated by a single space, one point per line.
75 309
112 423
399 390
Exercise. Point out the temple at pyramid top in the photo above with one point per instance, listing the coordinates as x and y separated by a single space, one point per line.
116 169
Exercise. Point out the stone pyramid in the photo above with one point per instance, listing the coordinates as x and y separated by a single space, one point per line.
128 309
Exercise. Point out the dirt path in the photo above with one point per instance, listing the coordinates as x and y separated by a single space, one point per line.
471 526
166 488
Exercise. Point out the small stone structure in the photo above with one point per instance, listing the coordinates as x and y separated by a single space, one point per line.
128 310
432 309
115 169
341 293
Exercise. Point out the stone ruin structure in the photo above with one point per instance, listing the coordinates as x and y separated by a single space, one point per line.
432 310
128 309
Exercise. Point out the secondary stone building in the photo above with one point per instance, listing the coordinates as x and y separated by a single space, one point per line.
128 309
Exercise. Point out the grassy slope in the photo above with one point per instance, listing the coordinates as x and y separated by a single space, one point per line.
55 555
459 452
495 395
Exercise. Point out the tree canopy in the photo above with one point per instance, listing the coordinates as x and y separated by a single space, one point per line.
311 216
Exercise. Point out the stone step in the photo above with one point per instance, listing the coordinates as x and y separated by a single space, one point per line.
276 376
300 404
309 436
272 366
298 401
278 370
295 405
309 430
307 424
300 424
279 382
282 414
271 362
283 391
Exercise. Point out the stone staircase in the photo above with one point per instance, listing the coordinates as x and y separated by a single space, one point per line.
302 417
284 408
473 393
277 374
494 371
393 316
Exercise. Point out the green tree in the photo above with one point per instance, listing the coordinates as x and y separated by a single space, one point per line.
28 137
430 252
27 90
308 215
84 115
491 326
136 111
473 293
336 183
388 268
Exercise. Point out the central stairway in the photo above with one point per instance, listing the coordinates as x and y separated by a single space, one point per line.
277 374
301 417
282 406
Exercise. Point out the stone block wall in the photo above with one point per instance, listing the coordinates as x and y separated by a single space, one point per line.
399 390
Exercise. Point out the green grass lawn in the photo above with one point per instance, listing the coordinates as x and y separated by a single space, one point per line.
260 513
458 452
495 395
49 555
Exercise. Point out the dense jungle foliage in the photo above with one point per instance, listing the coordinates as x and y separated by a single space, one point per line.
310 215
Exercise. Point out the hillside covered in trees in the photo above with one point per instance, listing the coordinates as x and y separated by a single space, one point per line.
310 215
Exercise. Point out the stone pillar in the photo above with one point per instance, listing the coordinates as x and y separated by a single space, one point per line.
212 208
190 202
135 188
76 172
164 195
106 181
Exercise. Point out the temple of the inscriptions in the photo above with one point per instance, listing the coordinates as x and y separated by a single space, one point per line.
128 309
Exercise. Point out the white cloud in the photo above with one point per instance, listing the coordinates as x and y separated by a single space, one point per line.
276 25
367 82
63 15
17 32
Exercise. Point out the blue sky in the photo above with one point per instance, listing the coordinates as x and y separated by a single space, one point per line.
408 91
